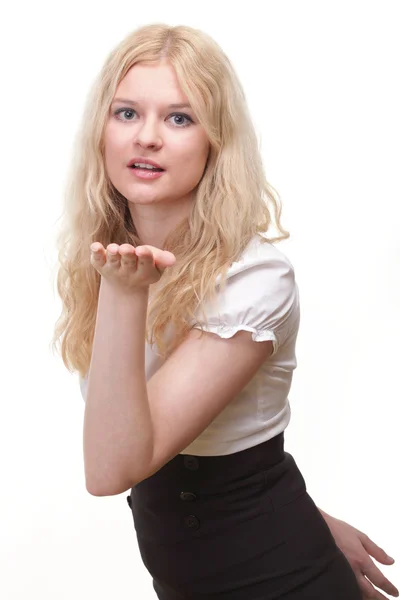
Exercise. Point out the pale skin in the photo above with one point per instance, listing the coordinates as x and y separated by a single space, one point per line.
125 415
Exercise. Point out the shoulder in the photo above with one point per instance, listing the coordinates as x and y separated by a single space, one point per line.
260 253
262 268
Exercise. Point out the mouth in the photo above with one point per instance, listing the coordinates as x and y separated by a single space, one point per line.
145 165
146 173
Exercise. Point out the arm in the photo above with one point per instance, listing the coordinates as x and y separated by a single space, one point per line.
117 422
131 429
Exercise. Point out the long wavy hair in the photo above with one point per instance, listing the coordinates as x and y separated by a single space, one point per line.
233 201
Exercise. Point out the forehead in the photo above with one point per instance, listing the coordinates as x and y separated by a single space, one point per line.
157 84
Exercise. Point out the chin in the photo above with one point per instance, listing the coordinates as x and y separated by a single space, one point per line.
143 199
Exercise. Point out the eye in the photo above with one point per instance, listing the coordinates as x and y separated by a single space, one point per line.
128 112
181 120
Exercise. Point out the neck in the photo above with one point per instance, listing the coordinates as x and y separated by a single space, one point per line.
154 222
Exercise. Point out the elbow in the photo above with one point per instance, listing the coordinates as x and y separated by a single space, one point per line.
108 480
94 491
106 490
96 487
113 479
100 488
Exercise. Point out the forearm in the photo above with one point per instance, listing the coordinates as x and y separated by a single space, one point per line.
118 431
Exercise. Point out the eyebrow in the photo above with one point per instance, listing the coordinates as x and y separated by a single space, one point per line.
133 103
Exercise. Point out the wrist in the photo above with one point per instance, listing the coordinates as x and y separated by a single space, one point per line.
119 292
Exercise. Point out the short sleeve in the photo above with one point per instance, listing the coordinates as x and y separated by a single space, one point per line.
260 296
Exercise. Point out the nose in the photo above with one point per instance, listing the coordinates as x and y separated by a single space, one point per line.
148 134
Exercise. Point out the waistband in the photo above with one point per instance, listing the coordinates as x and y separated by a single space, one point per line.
254 459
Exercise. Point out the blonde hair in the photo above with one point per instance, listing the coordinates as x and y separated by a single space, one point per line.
233 201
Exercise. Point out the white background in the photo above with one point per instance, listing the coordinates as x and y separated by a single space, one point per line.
321 80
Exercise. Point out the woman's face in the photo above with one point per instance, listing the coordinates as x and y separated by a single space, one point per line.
150 119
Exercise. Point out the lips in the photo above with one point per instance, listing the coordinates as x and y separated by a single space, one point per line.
144 161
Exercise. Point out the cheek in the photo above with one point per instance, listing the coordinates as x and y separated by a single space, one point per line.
192 157
113 145
109 149
110 164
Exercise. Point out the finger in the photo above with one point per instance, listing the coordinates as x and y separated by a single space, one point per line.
97 254
128 255
145 251
168 259
163 258
113 256
146 258
368 590
375 551
378 579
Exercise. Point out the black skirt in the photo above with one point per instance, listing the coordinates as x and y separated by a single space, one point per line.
237 527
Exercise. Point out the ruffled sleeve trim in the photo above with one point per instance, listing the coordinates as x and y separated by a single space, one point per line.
228 331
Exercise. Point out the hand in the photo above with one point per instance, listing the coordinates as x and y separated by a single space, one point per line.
128 267
358 549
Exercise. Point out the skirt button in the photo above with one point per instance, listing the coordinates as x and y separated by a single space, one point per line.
191 462
187 496
192 522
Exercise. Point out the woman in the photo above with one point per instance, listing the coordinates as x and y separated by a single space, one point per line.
187 315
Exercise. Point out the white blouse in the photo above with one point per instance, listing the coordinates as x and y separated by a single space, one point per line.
261 296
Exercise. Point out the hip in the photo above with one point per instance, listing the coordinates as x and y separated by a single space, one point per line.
235 525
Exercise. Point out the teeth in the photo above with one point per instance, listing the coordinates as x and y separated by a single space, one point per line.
144 166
